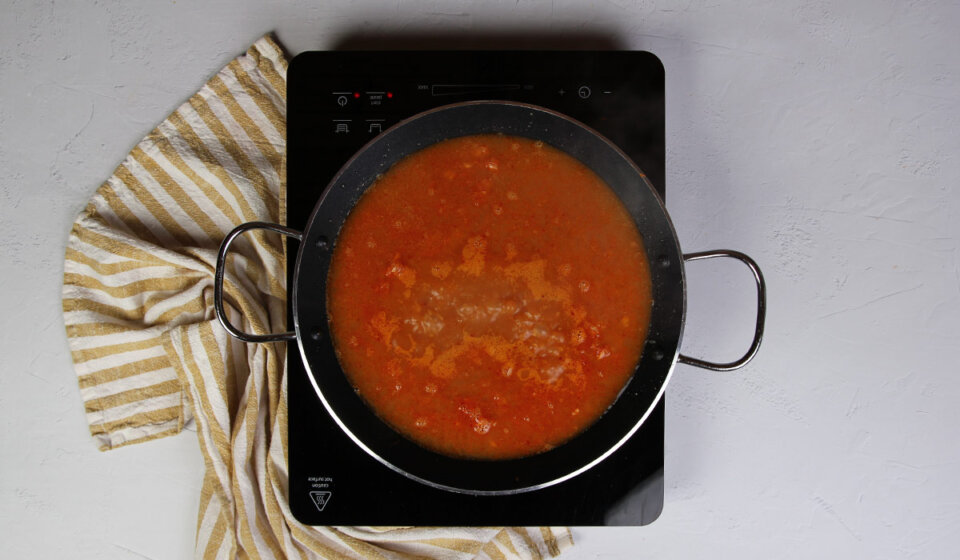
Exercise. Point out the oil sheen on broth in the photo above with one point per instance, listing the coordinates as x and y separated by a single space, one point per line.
489 297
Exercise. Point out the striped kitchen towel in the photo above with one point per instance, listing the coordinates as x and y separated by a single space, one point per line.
151 357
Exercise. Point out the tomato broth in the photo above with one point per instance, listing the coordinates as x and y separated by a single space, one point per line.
489 297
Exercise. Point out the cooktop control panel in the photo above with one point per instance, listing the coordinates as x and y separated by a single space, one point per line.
342 100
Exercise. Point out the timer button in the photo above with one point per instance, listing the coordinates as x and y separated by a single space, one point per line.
584 92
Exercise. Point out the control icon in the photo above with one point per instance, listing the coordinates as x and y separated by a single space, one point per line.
375 128
341 127
342 100
584 92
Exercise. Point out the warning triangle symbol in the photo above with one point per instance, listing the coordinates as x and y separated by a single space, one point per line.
320 498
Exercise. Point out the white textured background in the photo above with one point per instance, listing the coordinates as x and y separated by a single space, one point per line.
820 137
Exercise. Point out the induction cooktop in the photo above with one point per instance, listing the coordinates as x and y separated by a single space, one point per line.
337 101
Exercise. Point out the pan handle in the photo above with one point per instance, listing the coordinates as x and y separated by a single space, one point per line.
218 283
761 310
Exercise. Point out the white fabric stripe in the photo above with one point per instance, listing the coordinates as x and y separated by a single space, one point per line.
523 547
166 258
287 545
204 425
247 286
78 343
278 448
223 159
223 553
96 253
151 315
208 522
279 489
247 104
249 66
270 274
122 411
221 337
128 303
107 213
269 50
125 435
212 397
534 534
122 357
271 269
192 161
272 96
243 141
330 538
172 207
196 194
139 381
179 300
123 278
137 208
106 441
162 373
258 460
518 544
78 318
236 354
247 497
276 136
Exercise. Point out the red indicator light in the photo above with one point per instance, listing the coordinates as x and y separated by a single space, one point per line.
356 95
389 95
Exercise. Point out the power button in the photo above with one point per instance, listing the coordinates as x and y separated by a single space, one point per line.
584 92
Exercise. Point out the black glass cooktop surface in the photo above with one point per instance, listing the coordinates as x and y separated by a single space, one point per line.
339 101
